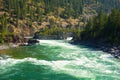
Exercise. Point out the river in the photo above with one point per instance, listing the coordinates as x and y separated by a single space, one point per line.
58 60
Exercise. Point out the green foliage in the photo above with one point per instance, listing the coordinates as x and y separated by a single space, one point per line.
1 38
59 31
108 5
103 27
37 11
3 27
3 21
5 35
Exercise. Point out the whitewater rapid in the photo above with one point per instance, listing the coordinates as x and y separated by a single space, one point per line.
81 62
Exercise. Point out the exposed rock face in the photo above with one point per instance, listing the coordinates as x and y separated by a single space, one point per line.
114 50
33 41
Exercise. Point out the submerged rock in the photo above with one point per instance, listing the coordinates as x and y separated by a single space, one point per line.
117 56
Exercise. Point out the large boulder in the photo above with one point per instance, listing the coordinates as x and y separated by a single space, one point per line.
33 41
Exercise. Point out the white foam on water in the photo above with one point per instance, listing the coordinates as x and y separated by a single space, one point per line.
62 66
59 66
86 66
69 55
59 43
90 63
106 56
69 38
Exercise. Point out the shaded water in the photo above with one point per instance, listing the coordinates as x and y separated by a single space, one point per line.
58 60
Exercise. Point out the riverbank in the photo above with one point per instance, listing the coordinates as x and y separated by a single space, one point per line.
7 46
114 50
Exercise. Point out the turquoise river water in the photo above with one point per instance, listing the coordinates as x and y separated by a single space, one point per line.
58 60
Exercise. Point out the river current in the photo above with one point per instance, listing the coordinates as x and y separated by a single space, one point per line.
58 60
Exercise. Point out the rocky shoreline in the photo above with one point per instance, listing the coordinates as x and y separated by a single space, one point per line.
7 46
15 45
114 50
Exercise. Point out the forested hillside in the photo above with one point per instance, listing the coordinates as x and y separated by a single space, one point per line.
103 28
19 18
